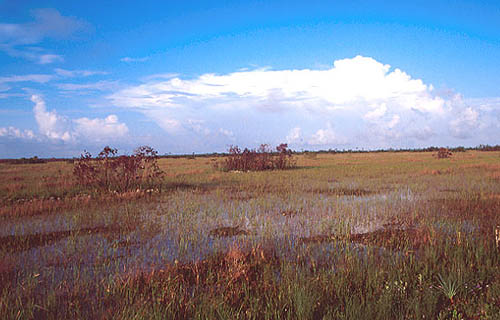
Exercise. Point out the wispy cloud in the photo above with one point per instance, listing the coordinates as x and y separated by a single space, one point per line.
103 85
49 58
59 73
159 76
17 40
38 78
78 73
129 59
34 54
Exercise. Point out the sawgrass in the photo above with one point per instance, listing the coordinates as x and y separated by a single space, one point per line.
342 236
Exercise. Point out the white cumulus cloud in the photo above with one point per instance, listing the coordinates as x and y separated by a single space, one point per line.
50 124
16 133
465 123
348 83
100 129
55 127
327 136
360 97
294 136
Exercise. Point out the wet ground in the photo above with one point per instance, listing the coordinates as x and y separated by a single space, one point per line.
313 230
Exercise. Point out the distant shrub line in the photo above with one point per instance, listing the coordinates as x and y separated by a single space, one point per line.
428 149
111 172
309 153
32 160
257 160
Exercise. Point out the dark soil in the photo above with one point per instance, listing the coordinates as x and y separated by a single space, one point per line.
29 241
228 232
389 238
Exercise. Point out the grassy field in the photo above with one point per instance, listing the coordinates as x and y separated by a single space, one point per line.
342 236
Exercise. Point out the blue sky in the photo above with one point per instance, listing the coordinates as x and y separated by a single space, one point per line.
198 76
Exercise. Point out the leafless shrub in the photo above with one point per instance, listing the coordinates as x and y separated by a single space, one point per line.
257 160
110 172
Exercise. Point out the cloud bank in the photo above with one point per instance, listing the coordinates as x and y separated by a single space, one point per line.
358 101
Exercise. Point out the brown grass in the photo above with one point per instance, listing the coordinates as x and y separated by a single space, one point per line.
229 275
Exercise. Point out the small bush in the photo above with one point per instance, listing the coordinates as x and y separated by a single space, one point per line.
443 153
110 172
257 160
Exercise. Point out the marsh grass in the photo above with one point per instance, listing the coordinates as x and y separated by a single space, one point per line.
342 236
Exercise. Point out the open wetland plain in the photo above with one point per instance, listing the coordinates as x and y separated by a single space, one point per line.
389 235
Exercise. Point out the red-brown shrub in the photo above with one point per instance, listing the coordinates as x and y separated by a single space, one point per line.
257 160
110 172
443 153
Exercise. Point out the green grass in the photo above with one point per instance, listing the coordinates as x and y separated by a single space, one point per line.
345 236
